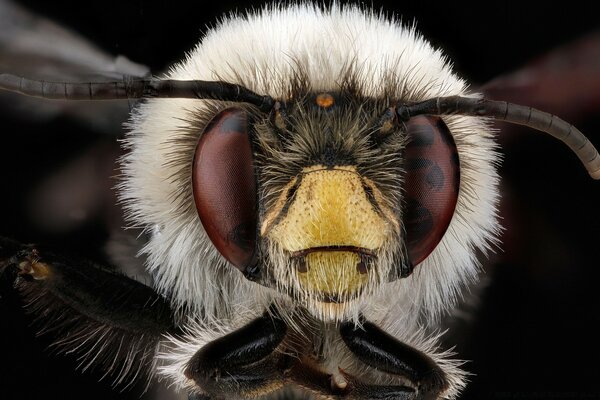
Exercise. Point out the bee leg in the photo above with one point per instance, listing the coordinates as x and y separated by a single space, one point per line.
110 320
91 290
243 363
380 350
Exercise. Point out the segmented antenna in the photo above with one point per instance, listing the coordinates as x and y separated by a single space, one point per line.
135 89
514 113
165 88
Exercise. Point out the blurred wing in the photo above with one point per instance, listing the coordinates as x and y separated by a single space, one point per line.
562 206
35 47
70 188
57 159
543 283
565 82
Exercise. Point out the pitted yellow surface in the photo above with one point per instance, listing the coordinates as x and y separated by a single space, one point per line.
330 208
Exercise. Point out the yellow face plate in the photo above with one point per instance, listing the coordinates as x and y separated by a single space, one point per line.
331 224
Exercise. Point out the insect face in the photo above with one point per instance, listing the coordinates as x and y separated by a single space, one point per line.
350 198
350 211
311 207
331 223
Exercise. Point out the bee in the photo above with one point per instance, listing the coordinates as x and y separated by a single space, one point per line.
311 209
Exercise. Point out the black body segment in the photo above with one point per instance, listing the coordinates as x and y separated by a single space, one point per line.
242 363
380 350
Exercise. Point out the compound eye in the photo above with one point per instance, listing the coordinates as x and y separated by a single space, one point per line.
432 181
225 188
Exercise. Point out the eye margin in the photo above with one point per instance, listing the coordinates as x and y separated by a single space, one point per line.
425 223
432 184
225 187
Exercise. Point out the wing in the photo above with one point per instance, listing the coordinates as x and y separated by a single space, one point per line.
66 196
33 46
58 160
565 81
537 311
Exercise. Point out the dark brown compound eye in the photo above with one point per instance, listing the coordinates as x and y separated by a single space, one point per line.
225 187
432 181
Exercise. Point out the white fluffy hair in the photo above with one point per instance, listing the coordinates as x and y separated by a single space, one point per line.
256 50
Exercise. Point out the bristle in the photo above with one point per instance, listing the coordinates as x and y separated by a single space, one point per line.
124 357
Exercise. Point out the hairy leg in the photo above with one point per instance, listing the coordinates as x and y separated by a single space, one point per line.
109 320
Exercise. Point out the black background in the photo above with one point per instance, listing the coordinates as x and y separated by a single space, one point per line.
534 336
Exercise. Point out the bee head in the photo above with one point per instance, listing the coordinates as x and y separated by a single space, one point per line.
326 197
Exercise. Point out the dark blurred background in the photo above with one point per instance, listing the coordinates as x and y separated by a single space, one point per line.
533 334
